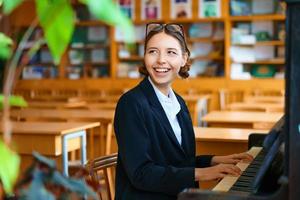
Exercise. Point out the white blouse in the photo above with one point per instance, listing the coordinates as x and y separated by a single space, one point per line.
171 107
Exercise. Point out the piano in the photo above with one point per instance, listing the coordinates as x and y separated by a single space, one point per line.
261 174
274 174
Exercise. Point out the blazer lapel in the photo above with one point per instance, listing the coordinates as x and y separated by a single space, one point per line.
159 111
182 120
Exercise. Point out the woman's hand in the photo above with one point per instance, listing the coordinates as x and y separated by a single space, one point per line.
216 172
231 159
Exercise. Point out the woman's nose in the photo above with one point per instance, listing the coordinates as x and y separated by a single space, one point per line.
161 58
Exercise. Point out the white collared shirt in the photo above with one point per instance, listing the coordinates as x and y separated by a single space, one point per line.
171 107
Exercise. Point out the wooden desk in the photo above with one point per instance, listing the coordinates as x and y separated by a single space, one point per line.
235 119
256 106
52 139
56 104
222 141
101 105
264 99
103 116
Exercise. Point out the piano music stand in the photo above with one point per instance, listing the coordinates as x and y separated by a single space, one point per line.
290 179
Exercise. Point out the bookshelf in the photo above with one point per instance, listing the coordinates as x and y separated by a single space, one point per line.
255 40
119 66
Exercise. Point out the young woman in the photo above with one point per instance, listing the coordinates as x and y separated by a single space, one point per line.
154 131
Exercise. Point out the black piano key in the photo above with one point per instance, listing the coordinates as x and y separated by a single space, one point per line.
245 181
243 189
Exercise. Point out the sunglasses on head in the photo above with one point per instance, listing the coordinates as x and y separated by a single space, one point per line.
171 27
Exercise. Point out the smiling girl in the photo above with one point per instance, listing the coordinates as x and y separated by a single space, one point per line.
153 127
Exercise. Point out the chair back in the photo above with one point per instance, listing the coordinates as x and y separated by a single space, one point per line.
102 170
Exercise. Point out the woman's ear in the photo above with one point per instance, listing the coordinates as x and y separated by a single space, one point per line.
184 60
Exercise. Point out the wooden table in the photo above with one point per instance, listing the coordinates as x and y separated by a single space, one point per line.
222 141
52 139
264 99
56 104
105 117
256 106
235 119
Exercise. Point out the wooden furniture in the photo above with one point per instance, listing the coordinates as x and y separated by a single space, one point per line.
227 96
235 119
103 168
52 139
198 107
256 106
225 21
103 116
222 141
56 104
265 99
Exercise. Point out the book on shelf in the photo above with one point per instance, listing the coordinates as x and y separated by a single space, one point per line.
263 28
181 9
260 7
139 31
264 52
98 55
76 56
262 71
128 70
242 54
79 38
240 7
201 49
209 8
198 68
46 56
238 73
97 34
151 9
219 31
127 7
205 69
38 72
200 30
251 54
74 72
101 71
141 48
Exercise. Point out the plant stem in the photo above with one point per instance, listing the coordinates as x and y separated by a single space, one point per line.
10 79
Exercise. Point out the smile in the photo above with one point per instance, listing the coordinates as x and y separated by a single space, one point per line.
161 70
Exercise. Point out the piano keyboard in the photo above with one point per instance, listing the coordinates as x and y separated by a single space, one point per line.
242 182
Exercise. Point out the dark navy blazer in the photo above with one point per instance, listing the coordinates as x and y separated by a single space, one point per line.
151 163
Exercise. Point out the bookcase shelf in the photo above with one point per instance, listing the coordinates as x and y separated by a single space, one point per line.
258 17
210 51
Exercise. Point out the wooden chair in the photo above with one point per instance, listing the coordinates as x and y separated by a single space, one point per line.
227 96
102 170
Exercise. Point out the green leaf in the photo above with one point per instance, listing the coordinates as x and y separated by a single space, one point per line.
5 46
9 168
107 11
13 101
10 5
57 20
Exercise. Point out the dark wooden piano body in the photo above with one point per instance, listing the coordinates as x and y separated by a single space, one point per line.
290 178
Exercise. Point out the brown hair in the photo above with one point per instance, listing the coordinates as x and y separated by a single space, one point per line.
184 70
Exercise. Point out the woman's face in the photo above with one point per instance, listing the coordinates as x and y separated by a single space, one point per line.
163 59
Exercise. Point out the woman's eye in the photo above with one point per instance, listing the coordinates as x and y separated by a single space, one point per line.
172 53
152 51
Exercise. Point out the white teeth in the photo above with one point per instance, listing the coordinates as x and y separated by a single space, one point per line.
161 70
